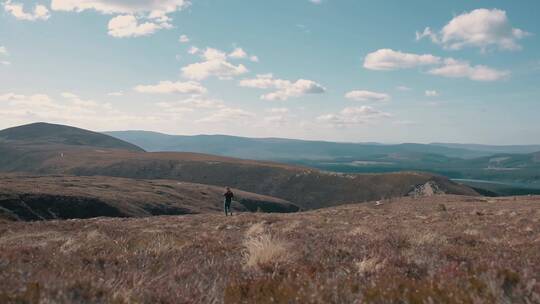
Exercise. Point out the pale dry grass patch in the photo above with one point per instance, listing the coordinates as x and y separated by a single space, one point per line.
72 244
36 239
161 243
361 230
266 250
291 226
472 232
256 229
421 238
369 265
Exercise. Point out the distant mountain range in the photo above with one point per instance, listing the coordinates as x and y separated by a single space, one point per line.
510 164
287 149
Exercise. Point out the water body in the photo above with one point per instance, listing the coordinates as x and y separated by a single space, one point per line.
509 184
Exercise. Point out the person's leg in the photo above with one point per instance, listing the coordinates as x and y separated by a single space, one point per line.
229 208
225 207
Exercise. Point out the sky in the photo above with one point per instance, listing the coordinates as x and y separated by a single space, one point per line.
336 70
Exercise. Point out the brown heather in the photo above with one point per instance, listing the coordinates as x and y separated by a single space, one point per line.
410 250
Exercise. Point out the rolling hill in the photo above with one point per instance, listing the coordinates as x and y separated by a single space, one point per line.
49 134
306 187
68 197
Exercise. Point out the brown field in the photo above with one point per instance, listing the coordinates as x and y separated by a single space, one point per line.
440 249
64 197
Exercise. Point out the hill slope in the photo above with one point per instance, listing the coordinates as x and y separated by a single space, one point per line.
308 188
443 249
64 197
49 134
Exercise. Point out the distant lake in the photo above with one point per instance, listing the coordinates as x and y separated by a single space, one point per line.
510 184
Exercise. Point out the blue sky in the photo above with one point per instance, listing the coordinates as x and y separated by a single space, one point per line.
342 70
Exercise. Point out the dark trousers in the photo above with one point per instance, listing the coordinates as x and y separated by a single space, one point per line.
227 207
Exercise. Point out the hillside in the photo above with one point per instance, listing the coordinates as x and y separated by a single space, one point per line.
308 188
413 250
65 197
305 187
49 134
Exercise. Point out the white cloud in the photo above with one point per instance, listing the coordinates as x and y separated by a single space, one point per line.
169 87
285 89
316 1
219 68
193 50
195 102
368 96
227 115
279 110
40 12
128 26
351 116
116 94
461 69
130 12
403 88
41 100
431 93
70 109
238 53
154 7
215 64
4 52
388 59
481 28
183 39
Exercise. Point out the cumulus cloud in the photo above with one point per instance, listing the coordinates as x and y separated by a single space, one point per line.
481 28
285 89
128 26
40 12
351 116
368 96
37 100
214 64
169 87
227 115
462 69
121 6
42 107
116 94
135 18
183 39
387 59
431 93
239 53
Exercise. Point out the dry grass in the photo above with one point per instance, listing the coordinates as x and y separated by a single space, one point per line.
266 251
404 251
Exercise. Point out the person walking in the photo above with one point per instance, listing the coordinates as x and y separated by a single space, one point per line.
229 195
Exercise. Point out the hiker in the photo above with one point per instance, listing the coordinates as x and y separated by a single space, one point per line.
227 202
